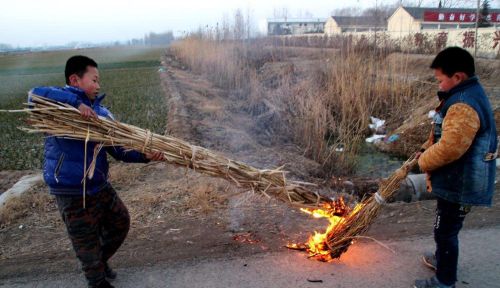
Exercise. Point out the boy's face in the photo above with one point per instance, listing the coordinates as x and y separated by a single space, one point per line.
445 82
89 82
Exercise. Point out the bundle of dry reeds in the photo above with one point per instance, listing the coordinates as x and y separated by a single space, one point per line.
63 120
341 237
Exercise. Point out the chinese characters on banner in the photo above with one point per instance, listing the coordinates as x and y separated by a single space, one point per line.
467 17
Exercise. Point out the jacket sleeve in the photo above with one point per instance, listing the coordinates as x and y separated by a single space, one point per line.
460 126
129 156
56 95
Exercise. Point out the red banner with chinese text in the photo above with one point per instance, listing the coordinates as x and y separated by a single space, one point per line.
467 17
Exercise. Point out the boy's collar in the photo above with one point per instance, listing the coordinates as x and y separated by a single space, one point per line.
443 95
99 98
80 92
75 89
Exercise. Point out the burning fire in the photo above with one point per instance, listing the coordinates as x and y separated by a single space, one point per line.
317 245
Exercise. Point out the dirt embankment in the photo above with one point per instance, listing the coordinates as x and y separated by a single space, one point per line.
10 177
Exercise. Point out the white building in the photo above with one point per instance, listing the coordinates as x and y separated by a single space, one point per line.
340 24
294 26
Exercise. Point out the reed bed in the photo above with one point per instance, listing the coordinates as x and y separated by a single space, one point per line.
324 97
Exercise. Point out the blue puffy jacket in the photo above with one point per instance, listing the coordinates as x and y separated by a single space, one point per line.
63 163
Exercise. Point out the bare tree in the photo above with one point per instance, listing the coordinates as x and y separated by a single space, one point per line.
308 14
226 27
458 3
304 14
250 25
380 12
417 3
281 12
347 11
437 3
218 35
239 25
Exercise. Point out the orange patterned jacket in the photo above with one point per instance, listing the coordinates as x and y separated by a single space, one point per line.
459 128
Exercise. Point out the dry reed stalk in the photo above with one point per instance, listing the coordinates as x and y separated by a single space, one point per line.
63 120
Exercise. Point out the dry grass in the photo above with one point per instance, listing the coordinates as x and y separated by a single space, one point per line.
125 174
207 197
148 207
334 108
222 65
31 202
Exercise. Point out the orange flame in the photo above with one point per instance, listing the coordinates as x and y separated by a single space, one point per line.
317 244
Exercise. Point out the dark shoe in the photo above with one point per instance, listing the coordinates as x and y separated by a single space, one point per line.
110 274
430 260
102 284
432 282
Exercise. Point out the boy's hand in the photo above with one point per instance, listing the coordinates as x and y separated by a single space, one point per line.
418 155
87 112
155 156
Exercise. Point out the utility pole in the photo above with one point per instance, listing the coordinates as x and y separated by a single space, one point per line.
477 25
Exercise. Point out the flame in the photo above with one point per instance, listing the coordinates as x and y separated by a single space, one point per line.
336 212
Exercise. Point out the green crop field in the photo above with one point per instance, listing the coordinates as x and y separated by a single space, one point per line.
129 77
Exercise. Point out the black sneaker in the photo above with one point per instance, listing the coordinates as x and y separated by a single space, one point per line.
110 274
432 282
430 260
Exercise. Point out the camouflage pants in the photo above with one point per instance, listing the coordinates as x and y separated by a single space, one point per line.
97 231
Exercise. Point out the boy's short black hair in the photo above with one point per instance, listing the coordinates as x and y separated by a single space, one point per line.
454 59
78 65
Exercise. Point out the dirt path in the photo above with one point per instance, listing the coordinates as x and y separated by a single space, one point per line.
366 264
181 218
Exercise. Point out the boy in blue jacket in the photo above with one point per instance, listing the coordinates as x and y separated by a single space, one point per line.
98 227
459 158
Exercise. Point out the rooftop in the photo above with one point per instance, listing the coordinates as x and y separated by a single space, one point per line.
358 21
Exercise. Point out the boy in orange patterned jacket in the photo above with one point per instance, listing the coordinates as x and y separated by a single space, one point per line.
458 158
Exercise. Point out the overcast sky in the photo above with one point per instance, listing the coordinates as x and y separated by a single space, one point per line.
55 22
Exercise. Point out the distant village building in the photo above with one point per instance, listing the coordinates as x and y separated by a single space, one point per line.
417 19
294 26
340 24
